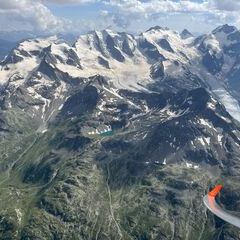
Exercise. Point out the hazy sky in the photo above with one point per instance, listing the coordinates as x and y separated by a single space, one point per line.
53 16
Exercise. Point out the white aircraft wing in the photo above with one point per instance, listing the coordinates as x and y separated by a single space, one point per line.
210 203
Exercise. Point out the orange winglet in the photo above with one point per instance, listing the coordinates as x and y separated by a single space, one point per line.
215 191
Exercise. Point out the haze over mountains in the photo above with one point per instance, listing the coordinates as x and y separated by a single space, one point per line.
119 136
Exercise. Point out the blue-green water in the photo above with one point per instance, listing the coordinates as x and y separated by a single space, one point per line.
105 134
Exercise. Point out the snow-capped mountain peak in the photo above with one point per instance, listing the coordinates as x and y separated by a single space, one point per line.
158 57
227 29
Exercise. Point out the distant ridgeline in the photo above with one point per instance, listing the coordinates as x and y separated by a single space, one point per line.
101 130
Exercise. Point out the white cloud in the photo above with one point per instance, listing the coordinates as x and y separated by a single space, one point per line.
36 15
220 10
32 13
150 10
151 6
157 6
69 1
226 5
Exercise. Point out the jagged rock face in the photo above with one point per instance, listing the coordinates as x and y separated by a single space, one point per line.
81 102
233 76
119 136
128 48
103 62
150 50
212 63
114 52
163 43
157 70
212 60
13 58
73 59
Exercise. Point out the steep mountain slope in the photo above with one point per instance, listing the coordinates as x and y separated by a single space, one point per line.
136 62
186 34
220 58
117 137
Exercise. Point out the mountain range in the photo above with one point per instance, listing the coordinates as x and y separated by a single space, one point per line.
120 136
